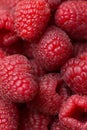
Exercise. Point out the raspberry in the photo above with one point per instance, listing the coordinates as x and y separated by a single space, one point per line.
74 74
48 99
54 49
16 82
7 35
53 3
80 47
83 56
8 116
33 120
73 114
31 18
71 17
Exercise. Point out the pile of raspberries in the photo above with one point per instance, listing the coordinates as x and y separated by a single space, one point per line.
43 64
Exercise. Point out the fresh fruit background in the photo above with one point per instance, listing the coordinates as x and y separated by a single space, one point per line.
43 64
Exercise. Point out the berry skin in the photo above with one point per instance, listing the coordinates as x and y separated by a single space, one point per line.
54 49
8 116
74 73
33 120
73 113
7 35
53 3
48 99
16 82
71 17
80 47
31 18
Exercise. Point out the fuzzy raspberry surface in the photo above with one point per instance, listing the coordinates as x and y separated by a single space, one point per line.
54 49
8 115
71 17
17 83
31 18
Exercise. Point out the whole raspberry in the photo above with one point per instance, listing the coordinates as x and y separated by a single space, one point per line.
73 113
7 35
80 47
16 82
33 120
74 73
71 17
54 49
8 116
48 98
31 18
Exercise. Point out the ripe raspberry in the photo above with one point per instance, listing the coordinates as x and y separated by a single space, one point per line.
33 120
16 82
53 3
54 49
74 73
71 17
73 114
8 116
31 18
7 35
48 99
80 47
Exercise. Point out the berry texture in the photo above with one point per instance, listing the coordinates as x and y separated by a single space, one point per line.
56 126
48 97
8 116
54 49
73 114
74 73
80 47
30 18
53 3
33 120
16 82
71 17
7 35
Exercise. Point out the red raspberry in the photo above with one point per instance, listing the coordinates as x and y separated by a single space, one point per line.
16 82
33 120
83 56
7 35
54 49
80 47
71 17
8 116
48 99
73 113
53 3
31 18
75 75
